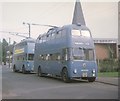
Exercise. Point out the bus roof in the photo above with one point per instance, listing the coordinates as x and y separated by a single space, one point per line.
78 26
26 40
70 26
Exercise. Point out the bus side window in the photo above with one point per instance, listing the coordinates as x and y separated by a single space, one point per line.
47 37
58 56
44 39
42 58
52 35
17 58
46 58
65 54
58 34
63 33
51 57
40 40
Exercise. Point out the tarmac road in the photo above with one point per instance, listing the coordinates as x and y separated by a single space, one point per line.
29 86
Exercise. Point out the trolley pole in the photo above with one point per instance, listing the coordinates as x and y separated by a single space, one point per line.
9 52
29 29
29 25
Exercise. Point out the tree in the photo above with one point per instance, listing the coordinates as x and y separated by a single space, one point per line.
4 45
0 52
14 42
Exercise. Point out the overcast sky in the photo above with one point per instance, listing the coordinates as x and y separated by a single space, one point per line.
101 17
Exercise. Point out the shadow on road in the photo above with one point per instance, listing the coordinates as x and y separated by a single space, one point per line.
60 80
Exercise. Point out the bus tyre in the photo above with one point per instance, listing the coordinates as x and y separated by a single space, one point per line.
65 77
39 72
23 70
14 69
91 79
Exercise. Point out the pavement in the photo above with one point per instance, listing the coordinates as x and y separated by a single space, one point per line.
108 80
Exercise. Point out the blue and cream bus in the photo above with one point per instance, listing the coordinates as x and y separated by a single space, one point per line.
23 55
67 52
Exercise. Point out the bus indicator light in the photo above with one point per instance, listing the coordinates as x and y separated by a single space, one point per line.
75 71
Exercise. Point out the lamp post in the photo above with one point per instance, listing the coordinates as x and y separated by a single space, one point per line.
29 28
8 52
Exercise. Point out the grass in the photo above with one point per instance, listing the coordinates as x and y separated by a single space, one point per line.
108 74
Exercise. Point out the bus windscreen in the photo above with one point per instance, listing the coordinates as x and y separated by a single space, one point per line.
78 54
88 54
30 56
83 54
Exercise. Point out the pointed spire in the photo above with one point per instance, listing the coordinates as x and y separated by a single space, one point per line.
78 17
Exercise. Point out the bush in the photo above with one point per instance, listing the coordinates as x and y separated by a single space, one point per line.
109 65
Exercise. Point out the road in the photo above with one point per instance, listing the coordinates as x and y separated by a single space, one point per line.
29 86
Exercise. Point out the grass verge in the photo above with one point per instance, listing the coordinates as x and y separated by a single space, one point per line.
108 74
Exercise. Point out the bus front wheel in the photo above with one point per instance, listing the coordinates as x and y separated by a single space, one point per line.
23 70
39 72
65 77
91 79
14 69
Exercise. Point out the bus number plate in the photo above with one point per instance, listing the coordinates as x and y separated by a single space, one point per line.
84 75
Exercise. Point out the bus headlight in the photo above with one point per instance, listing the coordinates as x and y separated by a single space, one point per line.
93 74
28 64
93 70
75 71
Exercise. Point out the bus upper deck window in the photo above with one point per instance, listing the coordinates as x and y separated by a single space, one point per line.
85 33
58 34
75 32
44 39
48 37
40 40
52 35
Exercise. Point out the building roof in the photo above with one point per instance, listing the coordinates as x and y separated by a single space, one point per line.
105 40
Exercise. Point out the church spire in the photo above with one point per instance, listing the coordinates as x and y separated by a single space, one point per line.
78 17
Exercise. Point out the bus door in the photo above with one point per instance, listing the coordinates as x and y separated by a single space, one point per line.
54 64
65 57
57 63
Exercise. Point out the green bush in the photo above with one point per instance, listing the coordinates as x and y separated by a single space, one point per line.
109 65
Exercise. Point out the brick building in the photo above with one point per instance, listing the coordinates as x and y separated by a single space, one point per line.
119 29
106 48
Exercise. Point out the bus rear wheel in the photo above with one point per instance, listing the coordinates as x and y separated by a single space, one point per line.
65 77
39 73
14 69
23 70
91 79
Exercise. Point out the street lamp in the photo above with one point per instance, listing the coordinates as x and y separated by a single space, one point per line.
29 27
8 52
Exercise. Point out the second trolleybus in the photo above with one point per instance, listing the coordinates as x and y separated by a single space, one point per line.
23 55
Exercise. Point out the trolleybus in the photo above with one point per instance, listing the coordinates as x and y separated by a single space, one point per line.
23 55
67 52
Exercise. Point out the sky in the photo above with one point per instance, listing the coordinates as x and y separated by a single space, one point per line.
100 17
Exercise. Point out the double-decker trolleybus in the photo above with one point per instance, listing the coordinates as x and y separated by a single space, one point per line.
67 52
23 54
